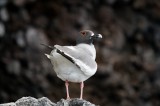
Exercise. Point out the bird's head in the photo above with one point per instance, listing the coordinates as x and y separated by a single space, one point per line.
87 36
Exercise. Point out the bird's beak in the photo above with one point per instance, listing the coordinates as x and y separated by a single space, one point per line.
97 36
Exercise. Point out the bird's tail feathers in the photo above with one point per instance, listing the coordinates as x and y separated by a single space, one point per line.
48 56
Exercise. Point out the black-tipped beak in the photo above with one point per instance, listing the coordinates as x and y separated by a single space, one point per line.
97 36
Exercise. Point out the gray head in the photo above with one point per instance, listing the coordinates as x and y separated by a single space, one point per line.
87 36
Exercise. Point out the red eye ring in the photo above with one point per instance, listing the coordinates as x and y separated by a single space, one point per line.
83 33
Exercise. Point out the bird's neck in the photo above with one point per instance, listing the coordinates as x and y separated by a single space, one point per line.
89 48
86 41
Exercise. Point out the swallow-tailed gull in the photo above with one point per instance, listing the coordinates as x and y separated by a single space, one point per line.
75 63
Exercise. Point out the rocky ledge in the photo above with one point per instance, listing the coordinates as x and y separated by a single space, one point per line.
30 101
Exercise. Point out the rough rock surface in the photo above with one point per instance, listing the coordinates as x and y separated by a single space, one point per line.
30 101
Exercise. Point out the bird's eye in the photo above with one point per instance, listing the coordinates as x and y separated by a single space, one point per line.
83 33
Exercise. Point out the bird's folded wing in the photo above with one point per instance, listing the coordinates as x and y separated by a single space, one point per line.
79 57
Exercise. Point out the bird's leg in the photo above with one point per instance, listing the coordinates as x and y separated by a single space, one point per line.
81 85
67 91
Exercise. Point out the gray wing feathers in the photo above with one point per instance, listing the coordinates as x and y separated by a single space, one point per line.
70 52
68 57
